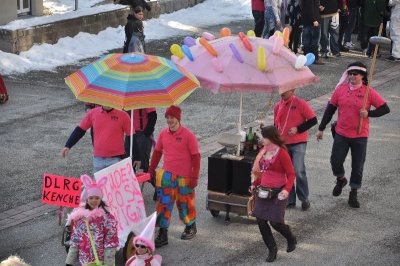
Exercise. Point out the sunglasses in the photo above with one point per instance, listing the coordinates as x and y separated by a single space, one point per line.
353 73
140 246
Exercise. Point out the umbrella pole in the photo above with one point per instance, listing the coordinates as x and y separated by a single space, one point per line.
240 122
131 138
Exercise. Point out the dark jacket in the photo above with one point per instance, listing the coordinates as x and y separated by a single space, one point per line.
331 7
373 12
309 12
128 31
135 3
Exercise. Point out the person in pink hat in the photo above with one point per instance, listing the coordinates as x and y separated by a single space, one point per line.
178 177
102 224
144 246
348 98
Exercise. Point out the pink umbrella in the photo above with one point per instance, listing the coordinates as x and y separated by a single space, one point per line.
243 63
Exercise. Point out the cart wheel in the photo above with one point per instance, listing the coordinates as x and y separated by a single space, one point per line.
214 213
129 248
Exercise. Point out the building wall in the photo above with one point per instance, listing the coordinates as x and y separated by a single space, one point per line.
8 11
16 41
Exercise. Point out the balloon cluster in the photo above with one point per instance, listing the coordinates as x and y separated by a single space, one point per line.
279 40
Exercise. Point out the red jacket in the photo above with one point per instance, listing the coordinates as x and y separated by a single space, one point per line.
257 5
3 89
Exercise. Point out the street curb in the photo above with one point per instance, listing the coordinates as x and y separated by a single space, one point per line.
31 210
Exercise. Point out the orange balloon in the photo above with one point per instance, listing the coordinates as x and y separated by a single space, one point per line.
225 32
208 46
286 33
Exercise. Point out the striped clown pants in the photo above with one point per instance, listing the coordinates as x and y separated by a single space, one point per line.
170 188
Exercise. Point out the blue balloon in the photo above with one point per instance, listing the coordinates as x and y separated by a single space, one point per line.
186 51
189 41
310 59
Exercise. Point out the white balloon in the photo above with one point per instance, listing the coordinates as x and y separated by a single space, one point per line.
300 62
198 41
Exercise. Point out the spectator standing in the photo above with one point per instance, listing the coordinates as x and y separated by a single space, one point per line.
294 117
311 29
395 30
343 23
136 15
258 10
136 44
329 27
134 4
273 171
294 16
3 91
353 6
178 178
109 126
272 18
348 98
373 17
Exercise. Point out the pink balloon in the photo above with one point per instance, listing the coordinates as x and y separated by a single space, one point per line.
217 65
278 44
208 36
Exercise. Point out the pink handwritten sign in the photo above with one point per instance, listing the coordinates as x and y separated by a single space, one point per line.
122 193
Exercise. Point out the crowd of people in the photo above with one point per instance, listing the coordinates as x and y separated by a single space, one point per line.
325 27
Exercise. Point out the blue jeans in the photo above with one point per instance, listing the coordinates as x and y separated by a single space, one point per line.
326 30
340 148
297 153
351 24
269 22
310 40
99 163
145 145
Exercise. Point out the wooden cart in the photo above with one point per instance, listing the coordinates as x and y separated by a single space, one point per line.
228 183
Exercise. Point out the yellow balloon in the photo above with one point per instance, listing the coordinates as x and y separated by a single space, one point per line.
286 33
261 58
251 33
176 50
279 34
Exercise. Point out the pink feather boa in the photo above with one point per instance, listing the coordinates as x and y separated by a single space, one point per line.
86 213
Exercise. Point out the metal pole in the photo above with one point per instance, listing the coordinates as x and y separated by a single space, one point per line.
76 4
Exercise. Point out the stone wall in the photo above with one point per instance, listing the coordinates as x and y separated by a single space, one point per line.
16 41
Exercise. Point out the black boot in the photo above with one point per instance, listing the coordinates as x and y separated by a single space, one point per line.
353 202
340 183
272 254
162 237
291 242
189 232
284 230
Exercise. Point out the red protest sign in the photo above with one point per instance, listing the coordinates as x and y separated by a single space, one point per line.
61 190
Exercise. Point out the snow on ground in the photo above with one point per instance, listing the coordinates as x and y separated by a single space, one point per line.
70 50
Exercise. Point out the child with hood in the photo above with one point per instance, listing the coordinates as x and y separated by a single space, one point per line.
102 224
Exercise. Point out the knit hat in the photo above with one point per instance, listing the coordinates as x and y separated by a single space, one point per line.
146 236
92 188
174 111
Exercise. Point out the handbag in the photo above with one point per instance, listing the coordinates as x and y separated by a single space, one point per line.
97 262
267 193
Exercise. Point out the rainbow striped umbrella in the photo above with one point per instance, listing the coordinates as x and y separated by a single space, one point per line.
132 81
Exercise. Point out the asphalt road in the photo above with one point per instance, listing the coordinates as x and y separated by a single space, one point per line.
42 112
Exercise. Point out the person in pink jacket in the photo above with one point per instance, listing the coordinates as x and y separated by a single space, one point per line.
258 9
102 224
3 91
